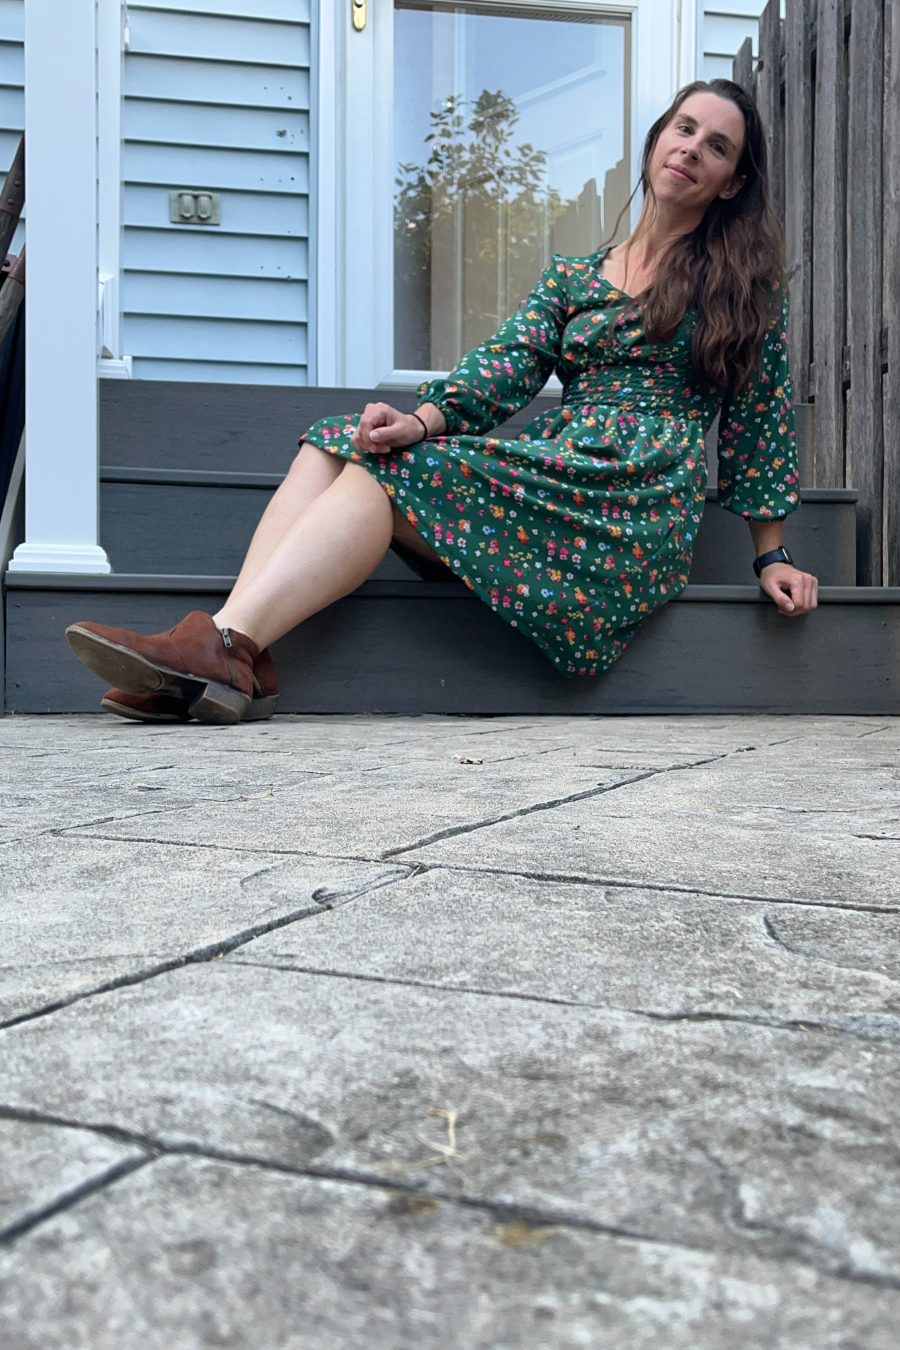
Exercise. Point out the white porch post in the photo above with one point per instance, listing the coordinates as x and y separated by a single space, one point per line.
61 490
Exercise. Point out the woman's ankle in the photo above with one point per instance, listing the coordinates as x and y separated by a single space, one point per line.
224 620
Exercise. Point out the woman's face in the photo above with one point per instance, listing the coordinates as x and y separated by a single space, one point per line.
696 157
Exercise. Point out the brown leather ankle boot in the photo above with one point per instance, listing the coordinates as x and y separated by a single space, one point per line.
165 708
211 670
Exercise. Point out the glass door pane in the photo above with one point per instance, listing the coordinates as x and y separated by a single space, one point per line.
511 143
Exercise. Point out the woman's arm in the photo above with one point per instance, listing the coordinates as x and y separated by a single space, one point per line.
382 428
793 591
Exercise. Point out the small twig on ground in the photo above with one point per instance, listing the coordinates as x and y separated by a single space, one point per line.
446 1155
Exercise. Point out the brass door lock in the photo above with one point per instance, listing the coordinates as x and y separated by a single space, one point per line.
358 12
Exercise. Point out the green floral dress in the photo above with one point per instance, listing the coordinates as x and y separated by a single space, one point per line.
585 524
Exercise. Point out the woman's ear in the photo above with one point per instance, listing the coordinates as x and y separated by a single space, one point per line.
733 187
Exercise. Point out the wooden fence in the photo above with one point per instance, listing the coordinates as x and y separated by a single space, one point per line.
828 85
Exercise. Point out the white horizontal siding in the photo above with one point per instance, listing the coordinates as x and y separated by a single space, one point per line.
211 372
217 82
12 92
216 297
194 339
172 32
188 166
279 215
724 26
216 96
275 9
199 251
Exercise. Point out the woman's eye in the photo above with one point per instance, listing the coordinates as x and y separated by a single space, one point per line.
720 149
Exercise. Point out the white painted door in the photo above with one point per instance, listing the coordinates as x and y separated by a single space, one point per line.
461 144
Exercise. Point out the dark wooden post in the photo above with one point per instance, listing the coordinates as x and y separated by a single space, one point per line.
12 199
12 295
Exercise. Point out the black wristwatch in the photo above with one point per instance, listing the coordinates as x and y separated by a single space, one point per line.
776 555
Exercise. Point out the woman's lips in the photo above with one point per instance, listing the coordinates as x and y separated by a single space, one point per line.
680 173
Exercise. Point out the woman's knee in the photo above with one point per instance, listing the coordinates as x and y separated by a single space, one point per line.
311 455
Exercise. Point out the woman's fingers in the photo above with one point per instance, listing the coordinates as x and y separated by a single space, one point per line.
381 428
375 416
793 591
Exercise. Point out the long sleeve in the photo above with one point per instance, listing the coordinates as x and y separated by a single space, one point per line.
503 374
758 472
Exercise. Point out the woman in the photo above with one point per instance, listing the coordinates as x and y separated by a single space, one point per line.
582 527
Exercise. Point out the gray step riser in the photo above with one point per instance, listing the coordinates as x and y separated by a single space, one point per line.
448 655
206 530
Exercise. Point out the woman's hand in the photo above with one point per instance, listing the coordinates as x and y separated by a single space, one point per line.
382 429
793 591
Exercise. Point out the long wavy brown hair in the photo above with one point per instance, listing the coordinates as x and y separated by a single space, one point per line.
727 266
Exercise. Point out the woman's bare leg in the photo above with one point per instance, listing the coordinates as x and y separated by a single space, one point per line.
328 551
312 473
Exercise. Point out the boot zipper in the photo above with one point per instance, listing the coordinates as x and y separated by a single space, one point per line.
226 636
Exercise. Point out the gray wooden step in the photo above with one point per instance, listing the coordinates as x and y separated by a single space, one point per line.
187 469
410 646
155 521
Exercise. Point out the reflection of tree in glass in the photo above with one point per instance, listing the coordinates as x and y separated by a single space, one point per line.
472 229
475 225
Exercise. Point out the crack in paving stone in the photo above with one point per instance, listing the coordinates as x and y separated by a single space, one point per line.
196 843
324 899
453 831
499 1210
868 971
890 1026
67 1199
794 1247
630 884
60 831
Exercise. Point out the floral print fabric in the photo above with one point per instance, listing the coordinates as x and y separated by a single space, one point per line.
585 524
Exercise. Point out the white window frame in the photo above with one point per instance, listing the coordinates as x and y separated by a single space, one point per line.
355 194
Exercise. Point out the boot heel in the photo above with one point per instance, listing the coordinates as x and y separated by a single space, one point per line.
261 709
219 703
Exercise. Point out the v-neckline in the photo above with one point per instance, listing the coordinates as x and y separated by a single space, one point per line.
617 289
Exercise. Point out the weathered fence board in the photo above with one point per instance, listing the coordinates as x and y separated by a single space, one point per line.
769 97
742 69
798 186
892 292
865 458
828 87
829 243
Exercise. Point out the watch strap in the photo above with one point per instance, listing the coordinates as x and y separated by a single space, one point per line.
773 556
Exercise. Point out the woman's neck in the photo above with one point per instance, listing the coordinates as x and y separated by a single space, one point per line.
635 261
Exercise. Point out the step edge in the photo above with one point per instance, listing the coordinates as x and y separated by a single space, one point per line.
125 473
413 590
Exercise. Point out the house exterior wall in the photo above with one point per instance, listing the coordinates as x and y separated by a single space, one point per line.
216 95
220 94
723 26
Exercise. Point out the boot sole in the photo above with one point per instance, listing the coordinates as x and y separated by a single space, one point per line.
208 700
120 710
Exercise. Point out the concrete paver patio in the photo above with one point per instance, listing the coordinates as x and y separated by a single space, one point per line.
446 1032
